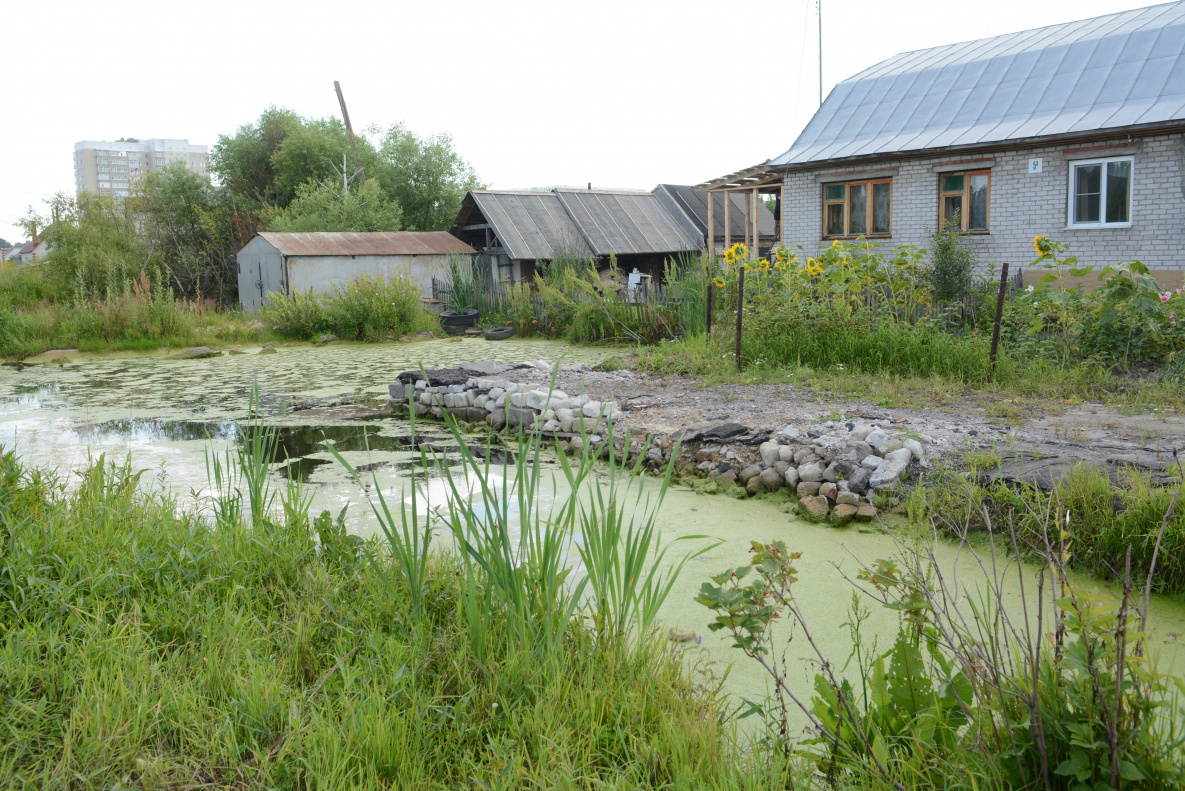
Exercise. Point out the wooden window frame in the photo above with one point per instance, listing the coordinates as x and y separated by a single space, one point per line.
965 215
869 191
1072 193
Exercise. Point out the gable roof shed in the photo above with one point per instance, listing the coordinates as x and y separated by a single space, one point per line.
1115 72
694 204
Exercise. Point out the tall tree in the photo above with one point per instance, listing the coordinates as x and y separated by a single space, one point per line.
329 206
427 177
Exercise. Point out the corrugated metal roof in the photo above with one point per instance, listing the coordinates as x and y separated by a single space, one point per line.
694 204
628 223
1109 72
530 225
374 243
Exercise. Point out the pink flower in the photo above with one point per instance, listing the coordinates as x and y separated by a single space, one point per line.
1174 324
1172 314
1166 296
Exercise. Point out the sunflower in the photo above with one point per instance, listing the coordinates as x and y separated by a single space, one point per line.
717 282
813 267
1042 244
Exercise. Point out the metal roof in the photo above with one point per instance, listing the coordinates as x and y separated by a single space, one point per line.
1109 72
628 223
530 225
374 243
693 203
533 225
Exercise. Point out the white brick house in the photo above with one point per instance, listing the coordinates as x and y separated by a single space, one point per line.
1076 131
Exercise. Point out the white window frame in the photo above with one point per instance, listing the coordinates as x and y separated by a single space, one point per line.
1072 192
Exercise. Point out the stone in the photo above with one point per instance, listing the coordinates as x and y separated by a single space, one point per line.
791 477
866 513
326 339
860 432
496 393
789 432
520 416
915 448
813 509
807 488
771 480
847 498
786 453
861 451
534 399
871 462
474 414
810 472
926 438
551 427
878 440
196 353
829 490
269 349
592 409
752 471
729 476
802 454
842 514
754 485
894 444
770 453
708 452
781 467
891 470
858 480
831 473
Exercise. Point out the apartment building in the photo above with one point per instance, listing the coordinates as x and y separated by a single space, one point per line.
112 167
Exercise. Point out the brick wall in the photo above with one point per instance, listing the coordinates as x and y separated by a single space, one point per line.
1023 204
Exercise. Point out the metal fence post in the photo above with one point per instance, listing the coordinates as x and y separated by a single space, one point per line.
999 314
740 309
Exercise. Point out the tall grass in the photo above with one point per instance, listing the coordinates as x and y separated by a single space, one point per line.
146 645
366 309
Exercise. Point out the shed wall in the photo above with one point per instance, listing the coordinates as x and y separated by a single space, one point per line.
321 273
1023 205
261 271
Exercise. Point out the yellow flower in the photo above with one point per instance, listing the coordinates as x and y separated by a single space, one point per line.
718 282
1042 244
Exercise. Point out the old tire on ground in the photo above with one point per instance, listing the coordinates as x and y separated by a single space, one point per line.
459 318
498 333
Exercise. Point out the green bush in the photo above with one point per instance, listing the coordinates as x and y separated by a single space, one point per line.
366 309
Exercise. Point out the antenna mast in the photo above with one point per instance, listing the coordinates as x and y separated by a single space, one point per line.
820 6
341 99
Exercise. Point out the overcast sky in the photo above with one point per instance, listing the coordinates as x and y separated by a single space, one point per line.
622 94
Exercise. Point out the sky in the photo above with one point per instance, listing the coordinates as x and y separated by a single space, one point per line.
619 93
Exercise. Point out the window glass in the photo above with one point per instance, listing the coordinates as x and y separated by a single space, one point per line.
858 201
881 207
835 219
952 209
1087 192
835 192
953 183
977 219
1118 190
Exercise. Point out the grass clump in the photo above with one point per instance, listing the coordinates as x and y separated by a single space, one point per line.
367 309
145 644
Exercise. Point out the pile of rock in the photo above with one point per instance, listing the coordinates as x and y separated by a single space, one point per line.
500 403
833 477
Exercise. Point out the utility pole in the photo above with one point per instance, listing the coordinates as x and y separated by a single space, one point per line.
341 99
820 5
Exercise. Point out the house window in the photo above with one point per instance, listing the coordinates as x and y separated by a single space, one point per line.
858 208
1101 193
964 199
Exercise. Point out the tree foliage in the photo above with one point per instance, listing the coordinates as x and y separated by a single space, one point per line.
265 163
330 206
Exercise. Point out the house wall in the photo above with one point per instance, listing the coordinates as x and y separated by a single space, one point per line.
1023 205
322 273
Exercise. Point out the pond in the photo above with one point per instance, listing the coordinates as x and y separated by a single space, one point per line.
167 414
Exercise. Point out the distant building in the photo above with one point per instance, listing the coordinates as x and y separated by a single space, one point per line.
7 252
110 168
31 252
295 263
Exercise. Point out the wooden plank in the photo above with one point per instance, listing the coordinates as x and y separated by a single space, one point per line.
711 236
748 205
756 222
727 220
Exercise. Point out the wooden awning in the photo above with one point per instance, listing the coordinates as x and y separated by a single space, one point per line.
762 177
